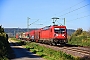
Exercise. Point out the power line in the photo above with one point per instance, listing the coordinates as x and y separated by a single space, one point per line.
80 13
79 18
34 22
77 4
71 6
75 9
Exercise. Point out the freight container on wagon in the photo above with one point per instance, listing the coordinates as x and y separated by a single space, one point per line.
31 35
27 36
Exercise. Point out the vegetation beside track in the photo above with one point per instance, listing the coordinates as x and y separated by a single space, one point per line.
4 45
80 37
47 53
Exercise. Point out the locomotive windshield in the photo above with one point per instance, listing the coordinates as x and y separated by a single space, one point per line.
59 30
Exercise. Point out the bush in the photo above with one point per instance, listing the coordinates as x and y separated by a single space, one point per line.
4 45
81 39
77 32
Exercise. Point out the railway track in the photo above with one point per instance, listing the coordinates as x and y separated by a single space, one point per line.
75 51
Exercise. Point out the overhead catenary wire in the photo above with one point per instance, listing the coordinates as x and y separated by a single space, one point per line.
75 9
34 22
79 13
78 18
71 6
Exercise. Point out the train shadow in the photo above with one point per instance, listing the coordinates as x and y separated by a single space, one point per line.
19 52
68 45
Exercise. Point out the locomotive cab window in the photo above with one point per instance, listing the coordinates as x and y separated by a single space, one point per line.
46 28
59 30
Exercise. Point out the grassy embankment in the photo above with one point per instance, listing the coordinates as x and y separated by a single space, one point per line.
46 53
4 45
80 37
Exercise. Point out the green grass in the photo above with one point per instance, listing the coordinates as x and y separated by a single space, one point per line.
48 53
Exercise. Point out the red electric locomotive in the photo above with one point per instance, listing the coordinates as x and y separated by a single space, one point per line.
52 34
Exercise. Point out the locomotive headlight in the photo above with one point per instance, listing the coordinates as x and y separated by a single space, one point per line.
62 34
56 34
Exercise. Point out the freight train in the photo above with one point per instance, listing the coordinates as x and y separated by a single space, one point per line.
52 35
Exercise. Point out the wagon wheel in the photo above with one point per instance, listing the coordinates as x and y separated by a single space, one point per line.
54 43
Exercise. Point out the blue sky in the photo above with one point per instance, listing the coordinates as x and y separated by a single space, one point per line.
14 13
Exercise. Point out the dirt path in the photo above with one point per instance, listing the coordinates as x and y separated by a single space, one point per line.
21 53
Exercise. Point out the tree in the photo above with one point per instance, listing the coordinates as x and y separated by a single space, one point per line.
78 32
1 29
